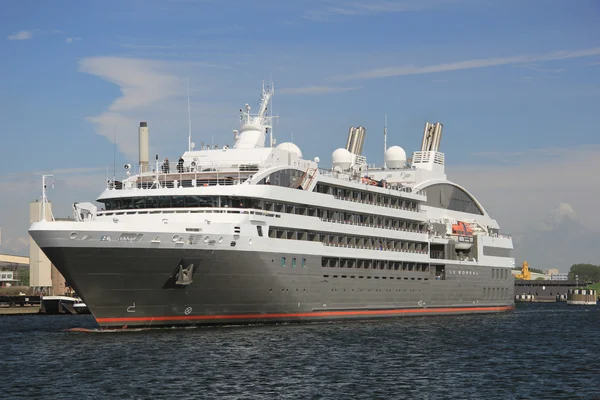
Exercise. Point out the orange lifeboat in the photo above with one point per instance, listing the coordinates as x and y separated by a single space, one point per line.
462 235
462 228
369 181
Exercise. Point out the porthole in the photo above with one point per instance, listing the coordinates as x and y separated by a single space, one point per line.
73 235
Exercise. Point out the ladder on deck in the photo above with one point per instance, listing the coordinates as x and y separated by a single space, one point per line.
307 178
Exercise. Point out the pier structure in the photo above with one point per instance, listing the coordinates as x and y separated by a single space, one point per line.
543 290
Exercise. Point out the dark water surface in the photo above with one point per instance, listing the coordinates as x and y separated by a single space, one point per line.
539 351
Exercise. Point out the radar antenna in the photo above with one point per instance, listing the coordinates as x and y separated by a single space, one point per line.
255 127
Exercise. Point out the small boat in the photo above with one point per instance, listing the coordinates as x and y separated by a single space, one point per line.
62 305
81 308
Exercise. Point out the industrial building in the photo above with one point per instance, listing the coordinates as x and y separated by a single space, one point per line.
43 276
8 265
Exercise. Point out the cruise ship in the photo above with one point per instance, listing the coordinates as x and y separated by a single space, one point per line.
255 233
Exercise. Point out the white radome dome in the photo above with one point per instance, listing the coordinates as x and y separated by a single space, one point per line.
290 147
342 158
395 157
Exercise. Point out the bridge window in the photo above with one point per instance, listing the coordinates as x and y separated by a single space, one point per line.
286 177
450 197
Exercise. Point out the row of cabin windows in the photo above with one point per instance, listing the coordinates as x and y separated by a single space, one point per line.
373 243
345 216
283 262
500 273
379 277
366 196
150 202
495 293
128 203
335 262
184 183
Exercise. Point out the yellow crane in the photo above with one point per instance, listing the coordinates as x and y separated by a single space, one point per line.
525 273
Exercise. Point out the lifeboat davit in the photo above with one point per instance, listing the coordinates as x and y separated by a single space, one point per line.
462 235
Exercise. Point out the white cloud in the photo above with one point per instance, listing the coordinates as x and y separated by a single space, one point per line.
563 212
72 39
15 245
22 35
316 90
155 91
333 8
142 83
467 64
521 193
534 198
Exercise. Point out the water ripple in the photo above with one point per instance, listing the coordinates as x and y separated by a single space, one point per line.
540 351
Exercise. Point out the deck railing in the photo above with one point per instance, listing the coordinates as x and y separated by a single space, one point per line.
165 174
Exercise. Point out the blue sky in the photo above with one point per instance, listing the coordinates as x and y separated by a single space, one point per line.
514 82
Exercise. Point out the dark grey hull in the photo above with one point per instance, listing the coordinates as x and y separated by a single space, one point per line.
142 287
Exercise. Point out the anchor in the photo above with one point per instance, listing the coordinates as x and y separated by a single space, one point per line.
184 276
181 276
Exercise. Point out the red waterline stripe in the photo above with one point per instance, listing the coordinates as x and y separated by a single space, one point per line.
306 314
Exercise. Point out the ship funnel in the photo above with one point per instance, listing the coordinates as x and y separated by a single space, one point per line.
356 140
432 135
143 141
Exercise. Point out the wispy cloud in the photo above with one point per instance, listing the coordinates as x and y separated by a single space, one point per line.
537 68
64 172
468 64
22 35
546 154
521 193
142 82
155 91
72 39
316 90
336 8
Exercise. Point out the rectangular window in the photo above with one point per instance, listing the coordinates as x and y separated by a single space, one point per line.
294 262
304 263
283 261
259 230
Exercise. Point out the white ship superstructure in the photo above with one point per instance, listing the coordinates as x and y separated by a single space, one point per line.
255 231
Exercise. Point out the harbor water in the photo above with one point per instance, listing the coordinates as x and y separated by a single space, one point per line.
539 351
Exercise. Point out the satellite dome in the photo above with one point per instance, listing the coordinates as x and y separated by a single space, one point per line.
291 147
342 158
395 157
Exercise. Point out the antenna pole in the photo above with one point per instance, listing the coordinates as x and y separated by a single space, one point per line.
187 82
115 154
384 140
44 198
271 109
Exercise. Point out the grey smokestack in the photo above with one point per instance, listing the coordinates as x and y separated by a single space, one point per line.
143 142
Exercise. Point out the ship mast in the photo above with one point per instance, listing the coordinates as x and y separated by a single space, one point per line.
255 126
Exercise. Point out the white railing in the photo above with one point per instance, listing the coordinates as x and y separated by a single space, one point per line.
345 176
336 221
379 248
374 203
208 210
